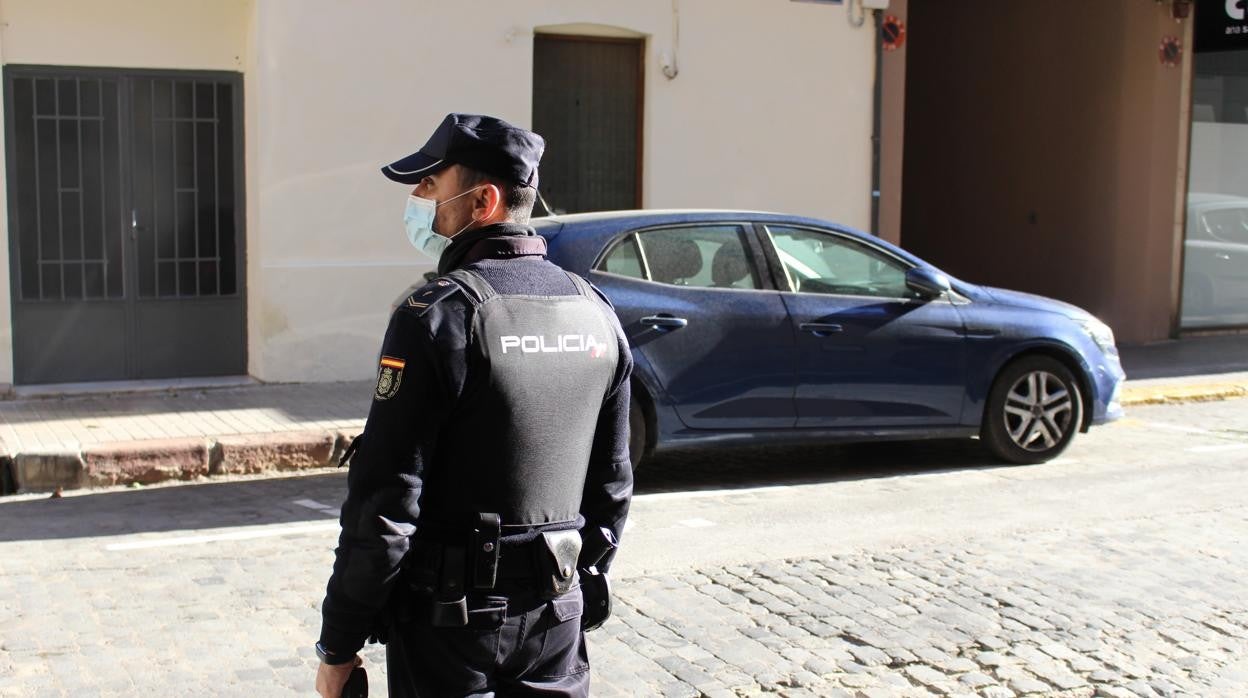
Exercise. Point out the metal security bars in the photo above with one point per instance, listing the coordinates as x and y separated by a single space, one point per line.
183 217
126 223
68 194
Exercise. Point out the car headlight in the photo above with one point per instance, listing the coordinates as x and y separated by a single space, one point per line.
1100 333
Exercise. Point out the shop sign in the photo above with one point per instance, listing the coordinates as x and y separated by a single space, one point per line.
1221 25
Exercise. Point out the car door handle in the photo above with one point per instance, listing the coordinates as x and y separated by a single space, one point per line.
665 322
979 332
821 329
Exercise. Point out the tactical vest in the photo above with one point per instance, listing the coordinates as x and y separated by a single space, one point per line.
518 443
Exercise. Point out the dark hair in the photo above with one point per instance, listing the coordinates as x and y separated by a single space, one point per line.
517 201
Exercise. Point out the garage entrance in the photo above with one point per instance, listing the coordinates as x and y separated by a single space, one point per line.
125 223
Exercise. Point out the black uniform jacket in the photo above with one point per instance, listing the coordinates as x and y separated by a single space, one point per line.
428 381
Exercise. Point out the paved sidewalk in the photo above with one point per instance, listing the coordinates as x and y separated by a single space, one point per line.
50 423
109 439
183 433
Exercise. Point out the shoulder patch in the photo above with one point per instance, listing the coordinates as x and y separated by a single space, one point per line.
430 295
389 377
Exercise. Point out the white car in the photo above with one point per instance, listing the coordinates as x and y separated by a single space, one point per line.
1215 264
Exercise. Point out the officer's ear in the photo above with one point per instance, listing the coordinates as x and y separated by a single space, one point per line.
488 204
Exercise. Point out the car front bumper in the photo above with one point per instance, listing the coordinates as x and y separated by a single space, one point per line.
1109 380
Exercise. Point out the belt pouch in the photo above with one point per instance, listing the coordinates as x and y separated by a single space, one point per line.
450 608
557 561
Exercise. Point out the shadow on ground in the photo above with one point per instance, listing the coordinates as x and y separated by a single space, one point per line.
252 502
801 465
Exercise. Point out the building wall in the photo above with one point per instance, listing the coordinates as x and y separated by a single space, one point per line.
771 109
186 34
1056 176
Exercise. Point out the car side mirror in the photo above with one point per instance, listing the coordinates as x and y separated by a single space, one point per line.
927 283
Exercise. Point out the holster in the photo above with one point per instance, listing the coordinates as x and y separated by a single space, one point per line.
456 569
450 606
556 562
486 541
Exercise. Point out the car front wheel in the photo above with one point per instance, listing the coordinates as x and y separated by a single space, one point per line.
1033 411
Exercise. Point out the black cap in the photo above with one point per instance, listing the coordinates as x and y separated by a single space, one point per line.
483 143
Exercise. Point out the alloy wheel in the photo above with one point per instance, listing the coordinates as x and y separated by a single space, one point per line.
1038 411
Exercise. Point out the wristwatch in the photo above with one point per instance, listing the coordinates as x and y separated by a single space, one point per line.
330 657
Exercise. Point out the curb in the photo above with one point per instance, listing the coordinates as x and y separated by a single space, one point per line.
257 453
149 461
1136 396
157 460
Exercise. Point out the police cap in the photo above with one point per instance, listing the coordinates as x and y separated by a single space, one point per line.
483 143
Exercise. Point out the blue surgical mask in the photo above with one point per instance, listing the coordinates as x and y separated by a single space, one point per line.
418 220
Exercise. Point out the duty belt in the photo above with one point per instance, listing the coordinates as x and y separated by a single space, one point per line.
516 561
446 572
450 569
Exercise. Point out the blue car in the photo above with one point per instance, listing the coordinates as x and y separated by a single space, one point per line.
753 328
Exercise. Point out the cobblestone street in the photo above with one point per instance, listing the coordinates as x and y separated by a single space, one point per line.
1120 610
906 570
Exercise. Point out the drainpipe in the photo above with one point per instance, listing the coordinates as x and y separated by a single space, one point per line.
875 124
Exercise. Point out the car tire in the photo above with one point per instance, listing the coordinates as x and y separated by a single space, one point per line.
636 432
1033 411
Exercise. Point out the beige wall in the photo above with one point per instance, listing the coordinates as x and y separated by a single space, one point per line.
186 34
1056 176
771 109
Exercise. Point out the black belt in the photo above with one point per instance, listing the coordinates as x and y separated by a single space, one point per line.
516 561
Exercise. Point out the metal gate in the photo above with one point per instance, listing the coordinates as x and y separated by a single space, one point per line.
587 104
125 223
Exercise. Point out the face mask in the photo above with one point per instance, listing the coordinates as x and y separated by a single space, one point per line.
418 220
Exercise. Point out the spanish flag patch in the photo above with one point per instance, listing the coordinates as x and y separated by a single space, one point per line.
389 376
396 364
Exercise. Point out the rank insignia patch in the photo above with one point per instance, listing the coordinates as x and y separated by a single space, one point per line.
389 377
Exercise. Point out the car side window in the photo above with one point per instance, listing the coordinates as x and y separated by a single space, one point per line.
706 256
1227 225
624 259
703 256
817 262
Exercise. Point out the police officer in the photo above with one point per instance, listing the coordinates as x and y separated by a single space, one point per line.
489 489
